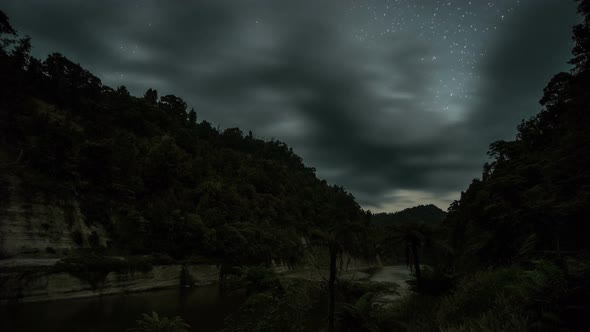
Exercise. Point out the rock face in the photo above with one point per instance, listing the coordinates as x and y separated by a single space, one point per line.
35 232
34 226
39 285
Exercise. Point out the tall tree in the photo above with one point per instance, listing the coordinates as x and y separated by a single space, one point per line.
341 229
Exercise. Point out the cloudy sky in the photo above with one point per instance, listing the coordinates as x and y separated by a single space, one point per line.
396 100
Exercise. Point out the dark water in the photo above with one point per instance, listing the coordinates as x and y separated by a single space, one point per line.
201 307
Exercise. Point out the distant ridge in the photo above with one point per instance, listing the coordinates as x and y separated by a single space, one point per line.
422 213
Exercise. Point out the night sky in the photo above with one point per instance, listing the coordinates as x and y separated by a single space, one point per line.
395 100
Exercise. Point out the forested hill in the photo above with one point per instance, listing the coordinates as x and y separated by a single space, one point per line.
422 213
513 253
158 179
533 197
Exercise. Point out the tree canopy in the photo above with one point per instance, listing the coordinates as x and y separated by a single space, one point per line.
146 170
534 192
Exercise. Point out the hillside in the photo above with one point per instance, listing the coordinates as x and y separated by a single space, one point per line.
120 174
421 213
101 190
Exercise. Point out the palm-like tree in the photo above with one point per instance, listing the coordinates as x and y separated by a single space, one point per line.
341 231
413 236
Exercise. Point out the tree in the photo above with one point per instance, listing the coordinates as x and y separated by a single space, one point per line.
340 229
414 236
192 118
157 181
536 185
122 90
174 106
151 96
6 29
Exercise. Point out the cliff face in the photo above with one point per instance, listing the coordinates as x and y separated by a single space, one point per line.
33 226
35 232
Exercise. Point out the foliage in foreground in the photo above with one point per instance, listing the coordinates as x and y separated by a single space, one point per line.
277 304
518 257
157 323
542 297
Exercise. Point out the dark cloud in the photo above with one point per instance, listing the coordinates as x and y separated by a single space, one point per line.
529 49
359 111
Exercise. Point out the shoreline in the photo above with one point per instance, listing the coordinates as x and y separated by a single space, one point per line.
31 280
25 284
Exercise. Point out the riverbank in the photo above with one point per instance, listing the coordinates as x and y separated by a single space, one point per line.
34 281
124 297
204 308
37 280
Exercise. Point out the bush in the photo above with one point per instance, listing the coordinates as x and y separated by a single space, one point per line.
259 279
415 312
478 293
94 269
498 320
294 306
503 299
509 299
157 323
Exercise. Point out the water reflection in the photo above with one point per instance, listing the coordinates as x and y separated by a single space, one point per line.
202 307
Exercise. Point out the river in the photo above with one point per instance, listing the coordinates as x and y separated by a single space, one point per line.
201 307
397 274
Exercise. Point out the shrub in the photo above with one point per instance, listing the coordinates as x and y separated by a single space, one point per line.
259 279
477 294
415 312
94 269
506 299
157 323
498 320
294 306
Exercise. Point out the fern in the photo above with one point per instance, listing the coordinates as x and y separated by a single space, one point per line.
156 323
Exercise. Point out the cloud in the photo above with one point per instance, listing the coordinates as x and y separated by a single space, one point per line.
529 49
358 111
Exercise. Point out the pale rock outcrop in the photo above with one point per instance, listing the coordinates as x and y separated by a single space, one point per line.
35 226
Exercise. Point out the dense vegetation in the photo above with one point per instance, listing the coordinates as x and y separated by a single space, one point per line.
146 170
511 255
516 254
429 214
156 179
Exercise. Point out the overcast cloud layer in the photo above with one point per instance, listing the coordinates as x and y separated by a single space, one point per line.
362 110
